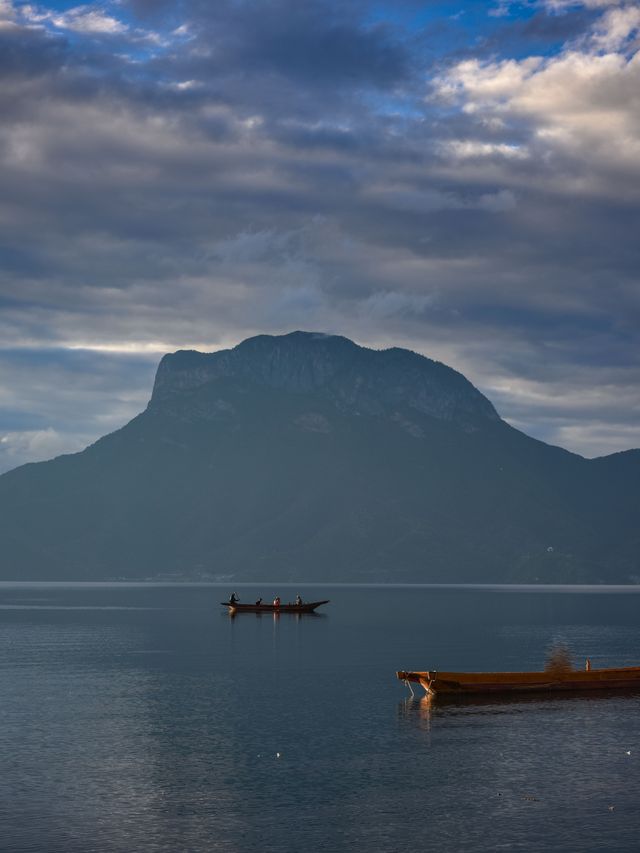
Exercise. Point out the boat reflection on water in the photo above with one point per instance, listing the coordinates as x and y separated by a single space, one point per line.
276 615
427 709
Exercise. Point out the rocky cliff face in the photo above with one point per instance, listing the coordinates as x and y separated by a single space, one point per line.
353 378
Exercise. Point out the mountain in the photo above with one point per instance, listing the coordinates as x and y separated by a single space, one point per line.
307 457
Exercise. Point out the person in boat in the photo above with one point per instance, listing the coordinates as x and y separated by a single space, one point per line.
233 598
258 602
298 600
276 601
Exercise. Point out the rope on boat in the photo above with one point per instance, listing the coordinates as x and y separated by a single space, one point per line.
408 683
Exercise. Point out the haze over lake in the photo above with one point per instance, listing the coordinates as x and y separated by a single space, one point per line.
144 718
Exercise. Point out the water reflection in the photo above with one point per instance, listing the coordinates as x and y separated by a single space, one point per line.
169 729
296 617
427 709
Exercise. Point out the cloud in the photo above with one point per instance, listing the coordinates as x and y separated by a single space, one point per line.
616 27
578 108
80 19
464 149
316 166
569 414
595 438
7 13
385 304
561 5
58 401
16 448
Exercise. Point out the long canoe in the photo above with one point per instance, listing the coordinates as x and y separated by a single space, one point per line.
305 607
436 683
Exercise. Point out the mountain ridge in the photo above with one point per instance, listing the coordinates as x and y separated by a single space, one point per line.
351 375
307 458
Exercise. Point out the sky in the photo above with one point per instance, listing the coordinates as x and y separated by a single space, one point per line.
462 179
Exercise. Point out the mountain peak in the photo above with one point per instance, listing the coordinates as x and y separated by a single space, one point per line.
308 457
353 377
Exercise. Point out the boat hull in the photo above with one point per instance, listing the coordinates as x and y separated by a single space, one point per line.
306 607
448 683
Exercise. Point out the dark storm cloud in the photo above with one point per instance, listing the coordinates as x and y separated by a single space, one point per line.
186 174
308 43
26 52
310 46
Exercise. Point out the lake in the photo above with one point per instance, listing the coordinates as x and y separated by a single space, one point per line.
143 718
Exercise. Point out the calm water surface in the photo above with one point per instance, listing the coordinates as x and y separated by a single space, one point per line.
143 718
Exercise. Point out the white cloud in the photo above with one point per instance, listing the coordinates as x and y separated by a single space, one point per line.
591 412
597 439
8 17
182 31
616 27
185 85
485 85
81 19
131 347
19 447
468 148
581 104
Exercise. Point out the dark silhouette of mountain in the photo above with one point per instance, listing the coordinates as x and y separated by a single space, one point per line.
307 457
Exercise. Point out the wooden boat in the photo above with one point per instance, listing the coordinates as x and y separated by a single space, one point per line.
305 607
436 683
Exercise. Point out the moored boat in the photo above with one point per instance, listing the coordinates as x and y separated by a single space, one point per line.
436 683
305 607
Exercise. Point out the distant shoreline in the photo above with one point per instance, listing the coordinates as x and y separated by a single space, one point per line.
480 587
